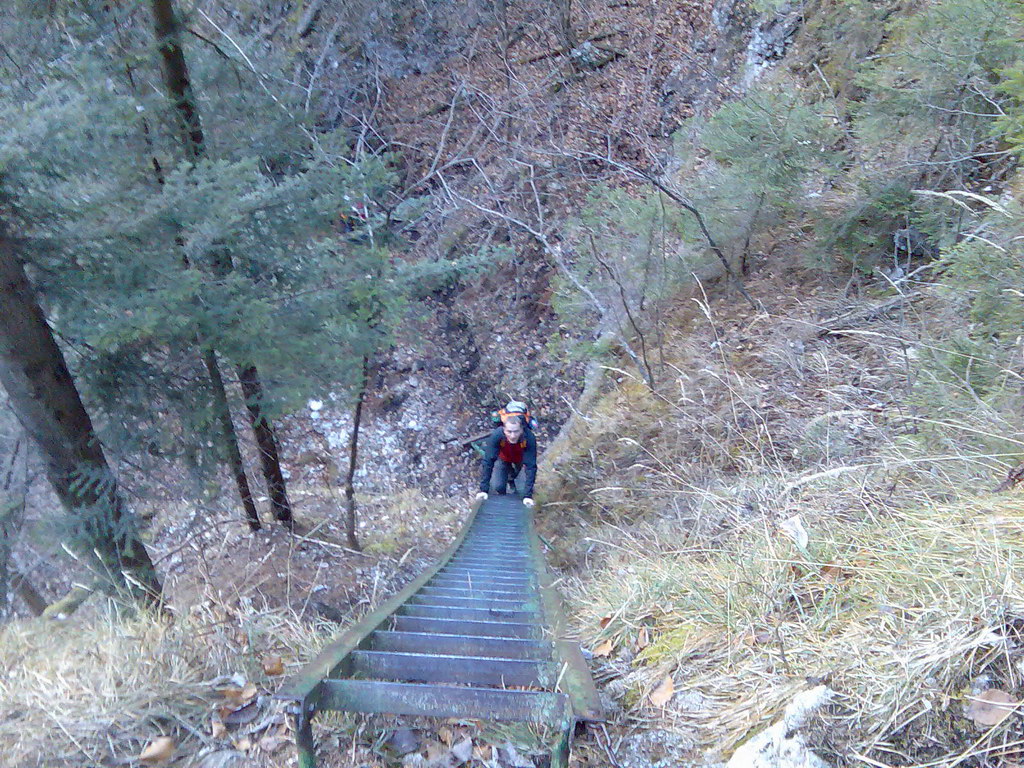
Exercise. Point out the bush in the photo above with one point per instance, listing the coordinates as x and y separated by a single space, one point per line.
933 95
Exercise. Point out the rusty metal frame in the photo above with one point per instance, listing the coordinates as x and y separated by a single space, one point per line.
312 688
574 675
305 689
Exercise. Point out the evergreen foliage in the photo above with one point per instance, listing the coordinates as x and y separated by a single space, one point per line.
765 147
930 104
861 232
634 252
932 95
626 253
124 239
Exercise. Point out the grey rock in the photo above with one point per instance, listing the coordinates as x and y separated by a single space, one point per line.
403 741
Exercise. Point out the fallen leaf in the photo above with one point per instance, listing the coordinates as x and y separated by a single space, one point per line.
273 665
242 715
217 728
991 707
158 750
403 741
509 755
463 751
271 744
605 621
483 752
233 694
435 751
249 692
643 639
794 529
445 734
244 744
661 695
604 649
835 574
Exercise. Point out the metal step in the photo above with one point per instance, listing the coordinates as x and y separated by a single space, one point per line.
483 572
500 567
464 627
478 581
466 670
474 602
460 645
443 701
469 614
498 594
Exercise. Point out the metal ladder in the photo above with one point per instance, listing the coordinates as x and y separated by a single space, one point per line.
479 635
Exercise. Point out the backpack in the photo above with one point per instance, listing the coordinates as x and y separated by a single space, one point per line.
514 408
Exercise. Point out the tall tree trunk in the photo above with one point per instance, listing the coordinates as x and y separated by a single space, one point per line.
223 409
44 396
179 87
565 25
267 442
176 79
353 447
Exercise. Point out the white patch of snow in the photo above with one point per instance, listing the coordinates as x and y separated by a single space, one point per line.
781 745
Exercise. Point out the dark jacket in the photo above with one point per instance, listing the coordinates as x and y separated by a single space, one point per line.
491 451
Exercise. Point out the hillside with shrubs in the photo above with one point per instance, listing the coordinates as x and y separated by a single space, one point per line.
758 267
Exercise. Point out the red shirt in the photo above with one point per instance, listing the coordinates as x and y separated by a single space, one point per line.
512 453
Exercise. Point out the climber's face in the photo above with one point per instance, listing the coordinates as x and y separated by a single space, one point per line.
513 431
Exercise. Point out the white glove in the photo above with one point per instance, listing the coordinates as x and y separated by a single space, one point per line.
528 501
481 496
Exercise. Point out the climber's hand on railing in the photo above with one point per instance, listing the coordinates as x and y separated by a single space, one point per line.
528 501
481 496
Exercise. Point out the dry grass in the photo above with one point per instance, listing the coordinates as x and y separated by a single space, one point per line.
908 593
97 688
900 613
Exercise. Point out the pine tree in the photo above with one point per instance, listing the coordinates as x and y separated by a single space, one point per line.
129 247
43 393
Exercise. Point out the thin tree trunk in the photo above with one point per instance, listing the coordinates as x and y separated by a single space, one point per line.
266 440
10 575
689 208
7 511
44 396
234 457
565 25
176 79
179 87
646 371
699 218
353 446
744 267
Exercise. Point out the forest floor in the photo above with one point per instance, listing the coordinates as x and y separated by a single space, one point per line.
793 513
762 418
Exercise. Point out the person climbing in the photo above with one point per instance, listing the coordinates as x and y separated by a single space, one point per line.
513 448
